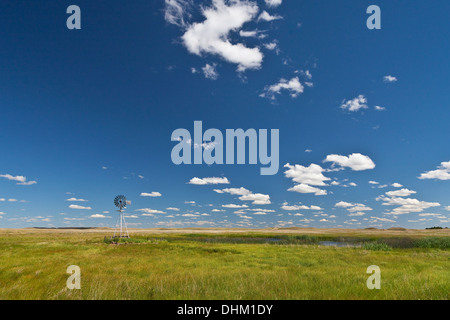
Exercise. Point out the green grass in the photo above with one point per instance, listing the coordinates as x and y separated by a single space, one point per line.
377 246
225 266
433 242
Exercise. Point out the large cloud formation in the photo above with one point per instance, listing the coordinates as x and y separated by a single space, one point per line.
211 36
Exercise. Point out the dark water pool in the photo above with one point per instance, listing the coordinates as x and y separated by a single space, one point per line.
339 244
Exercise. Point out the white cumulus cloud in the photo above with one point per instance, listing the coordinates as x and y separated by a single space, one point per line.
152 194
209 71
21 180
75 206
406 205
265 16
306 178
212 35
304 188
355 104
148 210
247 195
389 78
257 198
235 206
176 11
311 175
293 86
273 3
355 161
75 199
98 216
441 173
209 180
288 207
400 193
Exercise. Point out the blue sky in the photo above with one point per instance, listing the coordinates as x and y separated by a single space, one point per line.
88 114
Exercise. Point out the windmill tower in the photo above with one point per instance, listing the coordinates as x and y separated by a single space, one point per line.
121 226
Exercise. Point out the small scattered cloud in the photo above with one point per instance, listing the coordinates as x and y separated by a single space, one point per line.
400 193
77 207
257 198
190 215
389 79
176 12
293 86
248 34
247 195
355 161
26 183
152 194
148 210
288 207
354 209
101 216
76 199
376 219
355 104
378 108
311 175
356 214
234 206
204 145
21 180
273 3
357 207
234 191
431 215
305 73
265 16
271 46
343 204
304 188
210 72
209 180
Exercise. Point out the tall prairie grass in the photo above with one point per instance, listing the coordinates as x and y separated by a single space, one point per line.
199 266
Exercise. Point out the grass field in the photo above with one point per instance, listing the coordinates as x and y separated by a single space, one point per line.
225 264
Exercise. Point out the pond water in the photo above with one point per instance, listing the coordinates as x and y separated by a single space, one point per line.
339 244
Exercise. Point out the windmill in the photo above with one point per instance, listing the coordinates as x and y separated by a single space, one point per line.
121 227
